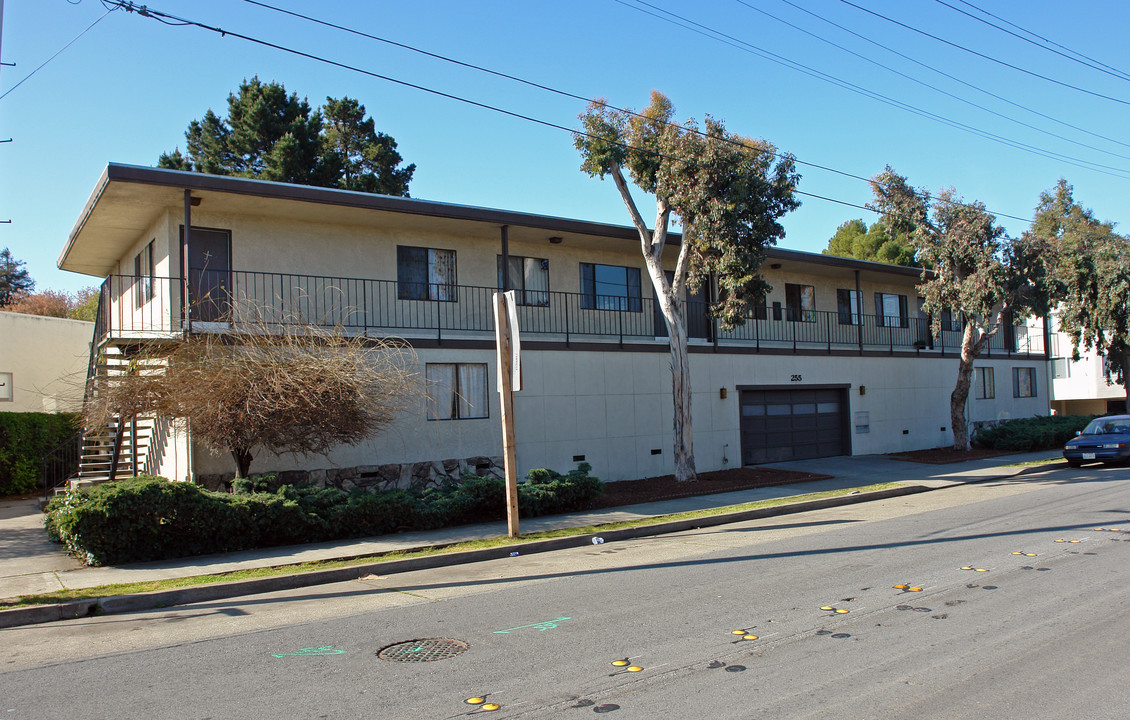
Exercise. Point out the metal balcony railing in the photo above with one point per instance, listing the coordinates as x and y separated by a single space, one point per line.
137 308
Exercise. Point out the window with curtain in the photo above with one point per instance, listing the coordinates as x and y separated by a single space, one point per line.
891 310
847 307
529 279
425 274
984 386
144 270
456 391
800 302
1024 382
610 287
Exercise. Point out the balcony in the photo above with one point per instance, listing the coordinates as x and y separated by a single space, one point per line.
137 309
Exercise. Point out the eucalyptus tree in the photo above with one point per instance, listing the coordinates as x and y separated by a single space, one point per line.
1091 277
976 272
725 191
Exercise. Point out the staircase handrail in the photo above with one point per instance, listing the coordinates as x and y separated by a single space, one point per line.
60 463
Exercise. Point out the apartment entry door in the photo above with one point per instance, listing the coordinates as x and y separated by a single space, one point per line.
779 424
208 263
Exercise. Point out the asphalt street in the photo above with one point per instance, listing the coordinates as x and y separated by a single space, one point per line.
1023 610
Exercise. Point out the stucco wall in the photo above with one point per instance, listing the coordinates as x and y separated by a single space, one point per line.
614 408
47 358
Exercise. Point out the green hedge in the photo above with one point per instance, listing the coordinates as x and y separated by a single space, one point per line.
24 439
1034 433
151 518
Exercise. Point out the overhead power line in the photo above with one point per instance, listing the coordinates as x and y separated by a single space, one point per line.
166 18
928 85
1073 56
718 36
57 53
537 85
986 57
954 77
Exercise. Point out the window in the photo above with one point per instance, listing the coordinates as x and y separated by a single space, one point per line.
529 279
891 310
847 306
610 287
984 386
800 302
425 274
6 392
1024 382
143 272
456 391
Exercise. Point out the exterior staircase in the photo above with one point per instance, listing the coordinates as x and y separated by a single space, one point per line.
98 446
119 449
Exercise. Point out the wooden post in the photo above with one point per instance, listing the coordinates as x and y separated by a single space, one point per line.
504 335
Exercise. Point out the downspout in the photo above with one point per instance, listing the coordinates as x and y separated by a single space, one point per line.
859 312
187 309
184 259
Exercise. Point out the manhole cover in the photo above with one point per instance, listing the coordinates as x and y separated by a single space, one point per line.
423 650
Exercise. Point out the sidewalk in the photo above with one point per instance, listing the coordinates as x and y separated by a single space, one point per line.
30 564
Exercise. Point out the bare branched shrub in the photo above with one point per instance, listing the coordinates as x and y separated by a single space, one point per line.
288 388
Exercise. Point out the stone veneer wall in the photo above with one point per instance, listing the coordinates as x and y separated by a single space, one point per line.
403 476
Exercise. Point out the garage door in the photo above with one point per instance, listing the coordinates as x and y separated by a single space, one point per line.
779 425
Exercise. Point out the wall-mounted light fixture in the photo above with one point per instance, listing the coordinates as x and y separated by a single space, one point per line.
555 240
196 201
721 393
862 389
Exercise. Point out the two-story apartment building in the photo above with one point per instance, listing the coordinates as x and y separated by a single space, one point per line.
1083 386
840 360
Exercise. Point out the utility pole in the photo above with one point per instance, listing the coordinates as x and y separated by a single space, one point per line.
509 380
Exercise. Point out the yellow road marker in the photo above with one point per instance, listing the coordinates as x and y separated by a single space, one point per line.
491 707
634 668
900 587
749 637
914 589
737 632
619 663
475 701
827 607
841 610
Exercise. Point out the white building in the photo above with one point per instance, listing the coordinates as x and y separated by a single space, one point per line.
43 362
839 361
1083 386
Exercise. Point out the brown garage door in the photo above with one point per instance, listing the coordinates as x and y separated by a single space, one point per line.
779 425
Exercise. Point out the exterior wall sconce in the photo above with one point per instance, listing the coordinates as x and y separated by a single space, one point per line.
555 240
862 389
196 201
721 393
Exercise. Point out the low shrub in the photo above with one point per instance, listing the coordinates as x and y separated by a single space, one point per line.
151 518
24 439
1034 433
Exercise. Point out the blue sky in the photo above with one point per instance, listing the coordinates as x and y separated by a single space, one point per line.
126 91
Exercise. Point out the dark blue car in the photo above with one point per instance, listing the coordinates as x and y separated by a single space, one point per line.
1105 439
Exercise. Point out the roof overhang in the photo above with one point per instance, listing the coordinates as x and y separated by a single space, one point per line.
128 199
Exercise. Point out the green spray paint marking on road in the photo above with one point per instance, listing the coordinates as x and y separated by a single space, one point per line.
541 626
324 650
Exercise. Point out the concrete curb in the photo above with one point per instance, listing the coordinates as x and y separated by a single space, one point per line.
222 590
